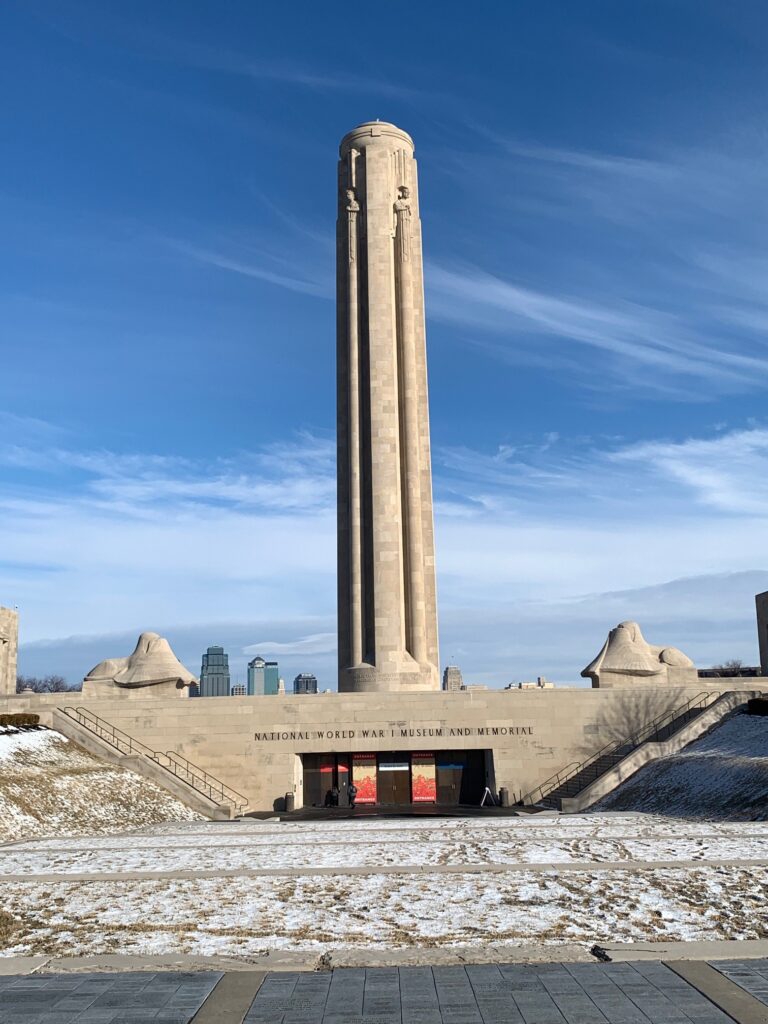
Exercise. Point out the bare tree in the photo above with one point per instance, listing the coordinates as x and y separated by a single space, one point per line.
729 668
44 684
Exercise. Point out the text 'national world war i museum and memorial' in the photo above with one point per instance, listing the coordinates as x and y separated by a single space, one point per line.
390 729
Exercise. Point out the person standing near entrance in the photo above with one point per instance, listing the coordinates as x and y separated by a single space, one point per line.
352 793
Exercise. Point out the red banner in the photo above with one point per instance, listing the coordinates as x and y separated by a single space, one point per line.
364 777
423 779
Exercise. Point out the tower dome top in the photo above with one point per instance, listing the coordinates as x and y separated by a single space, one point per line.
370 132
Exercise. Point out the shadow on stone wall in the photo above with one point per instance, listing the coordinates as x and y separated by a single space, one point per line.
629 714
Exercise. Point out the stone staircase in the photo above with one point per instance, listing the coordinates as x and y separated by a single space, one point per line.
581 784
190 784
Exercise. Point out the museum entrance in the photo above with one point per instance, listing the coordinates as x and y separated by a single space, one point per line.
460 776
396 778
326 779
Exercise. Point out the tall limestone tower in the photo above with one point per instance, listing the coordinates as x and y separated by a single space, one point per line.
386 552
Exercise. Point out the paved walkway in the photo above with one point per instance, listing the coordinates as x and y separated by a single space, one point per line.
542 867
642 992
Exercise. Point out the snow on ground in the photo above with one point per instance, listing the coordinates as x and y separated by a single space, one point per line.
244 914
467 843
49 786
722 775
647 876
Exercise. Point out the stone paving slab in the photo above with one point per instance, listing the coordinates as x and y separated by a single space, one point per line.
551 993
639 992
751 975
731 998
173 997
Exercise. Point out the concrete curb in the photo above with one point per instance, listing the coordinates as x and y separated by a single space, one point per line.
275 960
730 998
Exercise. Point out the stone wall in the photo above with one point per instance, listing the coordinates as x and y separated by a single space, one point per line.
253 744
761 600
9 649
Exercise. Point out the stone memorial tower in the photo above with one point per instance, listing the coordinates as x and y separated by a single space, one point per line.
386 557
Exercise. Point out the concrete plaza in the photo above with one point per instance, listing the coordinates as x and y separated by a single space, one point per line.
639 992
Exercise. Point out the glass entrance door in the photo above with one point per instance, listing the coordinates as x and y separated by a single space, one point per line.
324 776
460 776
449 769
394 779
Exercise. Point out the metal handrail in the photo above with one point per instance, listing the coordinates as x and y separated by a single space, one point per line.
183 764
116 737
634 740
177 765
556 780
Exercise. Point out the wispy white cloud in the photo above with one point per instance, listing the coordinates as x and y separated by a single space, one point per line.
658 343
290 475
135 34
602 163
728 473
224 261
316 643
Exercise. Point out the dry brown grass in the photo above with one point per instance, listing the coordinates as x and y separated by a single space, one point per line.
10 927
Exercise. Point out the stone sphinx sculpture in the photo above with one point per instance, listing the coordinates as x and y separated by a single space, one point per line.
627 659
152 670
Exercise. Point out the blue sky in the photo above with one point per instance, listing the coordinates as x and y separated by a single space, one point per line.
593 195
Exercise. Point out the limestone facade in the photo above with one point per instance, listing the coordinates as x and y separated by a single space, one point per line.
386 560
9 650
257 745
761 601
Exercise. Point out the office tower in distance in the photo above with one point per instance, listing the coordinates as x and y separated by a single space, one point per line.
239 690
271 677
256 677
214 673
263 677
305 682
452 679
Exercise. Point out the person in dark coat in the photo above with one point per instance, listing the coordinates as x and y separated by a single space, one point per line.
352 794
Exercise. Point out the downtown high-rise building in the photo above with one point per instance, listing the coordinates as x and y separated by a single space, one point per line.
214 673
263 677
305 682
452 678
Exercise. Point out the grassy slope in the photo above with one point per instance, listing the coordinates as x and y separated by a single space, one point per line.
724 776
51 787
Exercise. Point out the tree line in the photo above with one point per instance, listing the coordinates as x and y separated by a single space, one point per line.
45 684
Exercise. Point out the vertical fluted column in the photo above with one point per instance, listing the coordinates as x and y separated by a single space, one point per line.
387 613
352 209
413 554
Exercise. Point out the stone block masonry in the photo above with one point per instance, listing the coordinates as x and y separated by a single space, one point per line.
258 745
9 649
386 557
